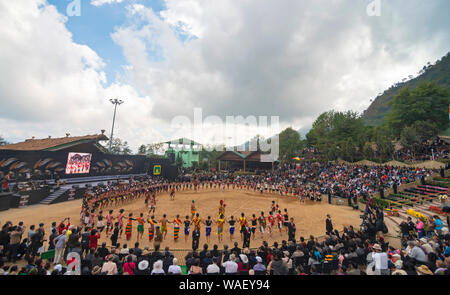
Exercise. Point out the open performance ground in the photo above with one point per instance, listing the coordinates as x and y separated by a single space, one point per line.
309 217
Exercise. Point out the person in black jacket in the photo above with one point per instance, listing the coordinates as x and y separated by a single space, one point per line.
37 240
329 225
195 238
85 241
247 233
291 230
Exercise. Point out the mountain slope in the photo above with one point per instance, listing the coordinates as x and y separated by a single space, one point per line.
439 73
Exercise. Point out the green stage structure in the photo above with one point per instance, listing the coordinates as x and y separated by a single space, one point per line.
185 149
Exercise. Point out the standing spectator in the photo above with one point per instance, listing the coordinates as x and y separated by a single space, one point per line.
381 261
291 230
93 239
14 242
329 225
60 243
420 227
195 238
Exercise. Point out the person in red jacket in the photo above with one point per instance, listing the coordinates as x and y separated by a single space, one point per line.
62 226
93 239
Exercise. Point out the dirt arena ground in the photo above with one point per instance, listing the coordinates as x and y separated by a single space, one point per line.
309 217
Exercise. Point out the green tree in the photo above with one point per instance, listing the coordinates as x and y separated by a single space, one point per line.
410 138
3 141
120 147
154 148
339 134
368 150
426 130
427 102
290 144
142 150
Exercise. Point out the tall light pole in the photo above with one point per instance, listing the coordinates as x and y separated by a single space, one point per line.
115 102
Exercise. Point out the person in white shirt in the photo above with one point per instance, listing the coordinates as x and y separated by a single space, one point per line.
231 267
381 261
213 268
175 269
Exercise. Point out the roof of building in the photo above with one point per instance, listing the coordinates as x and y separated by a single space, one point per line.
52 144
185 141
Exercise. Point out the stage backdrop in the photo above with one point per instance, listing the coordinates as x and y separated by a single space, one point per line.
40 165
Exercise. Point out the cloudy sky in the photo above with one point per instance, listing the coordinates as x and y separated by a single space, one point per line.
292 58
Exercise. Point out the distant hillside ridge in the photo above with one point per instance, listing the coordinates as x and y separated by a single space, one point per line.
439 72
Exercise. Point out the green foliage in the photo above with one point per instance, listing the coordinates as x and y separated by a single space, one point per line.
339 134
368 151
3 141
290 144
119 147
439 73
427 102
410 138
142 150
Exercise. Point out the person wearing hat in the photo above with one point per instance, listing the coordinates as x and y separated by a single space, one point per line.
96 270
381 261
423 270
110 267
243 266
425 245
143 268
399 269
259 267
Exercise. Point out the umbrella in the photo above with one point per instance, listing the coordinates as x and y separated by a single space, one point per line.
297 158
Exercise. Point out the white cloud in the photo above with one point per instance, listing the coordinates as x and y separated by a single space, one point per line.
51 85
102 2
294 60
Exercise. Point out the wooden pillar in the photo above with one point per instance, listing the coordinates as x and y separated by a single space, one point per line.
219 165
244 165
